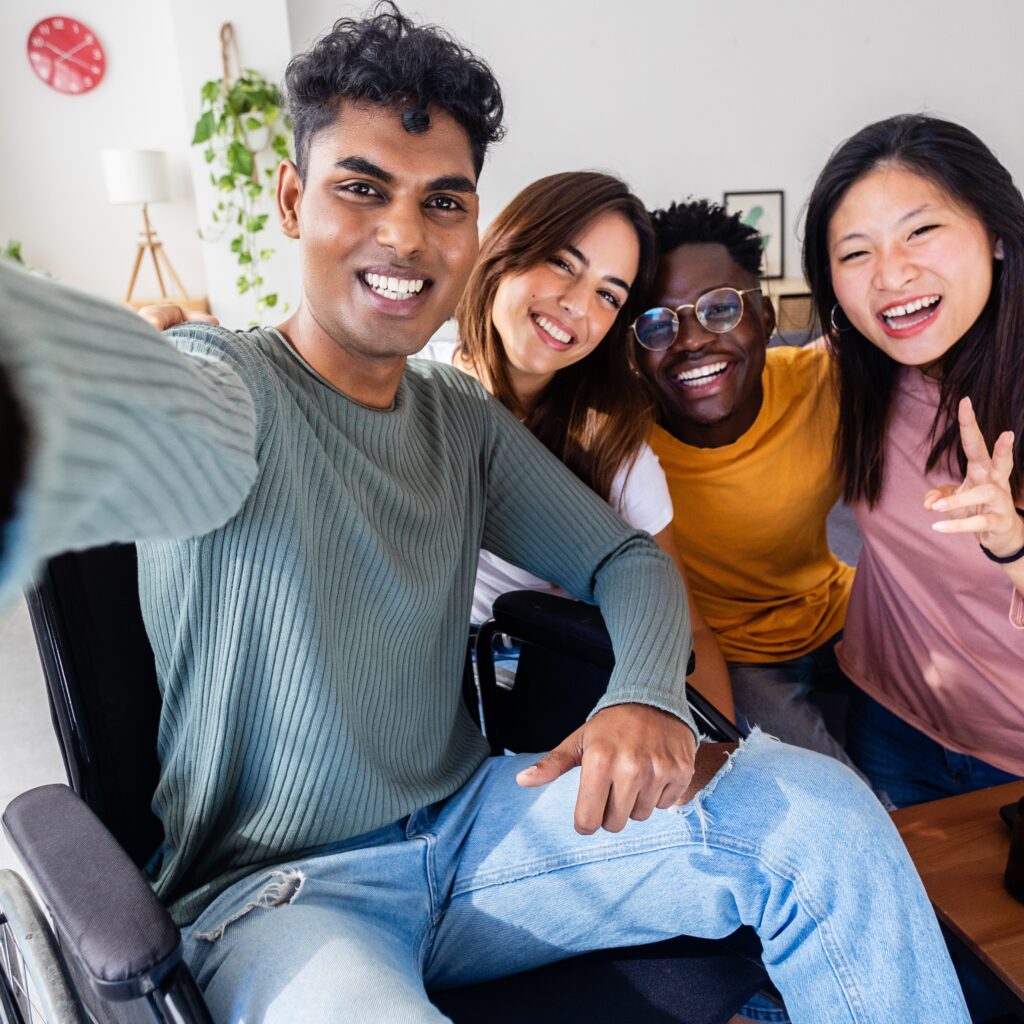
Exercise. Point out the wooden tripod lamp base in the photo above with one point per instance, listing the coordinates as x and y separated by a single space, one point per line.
139 177
152 245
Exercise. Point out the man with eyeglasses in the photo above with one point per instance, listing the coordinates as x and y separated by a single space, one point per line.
745 435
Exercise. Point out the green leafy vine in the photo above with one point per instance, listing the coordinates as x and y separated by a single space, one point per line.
241 125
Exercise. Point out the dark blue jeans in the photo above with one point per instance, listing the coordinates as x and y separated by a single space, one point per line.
902 762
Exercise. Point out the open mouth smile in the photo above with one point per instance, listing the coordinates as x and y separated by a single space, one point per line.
395 289
899 319
703 378
551 333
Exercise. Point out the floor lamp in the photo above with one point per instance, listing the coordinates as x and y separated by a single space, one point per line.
139 176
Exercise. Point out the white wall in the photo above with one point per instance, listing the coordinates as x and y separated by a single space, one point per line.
700 97
679 96
53 197
159 52
261 30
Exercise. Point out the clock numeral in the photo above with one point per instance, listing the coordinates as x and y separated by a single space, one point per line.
58 22
76 28
89 37
87 80
96 54
37 42
44 30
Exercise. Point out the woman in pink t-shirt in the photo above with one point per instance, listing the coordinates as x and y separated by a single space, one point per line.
915 253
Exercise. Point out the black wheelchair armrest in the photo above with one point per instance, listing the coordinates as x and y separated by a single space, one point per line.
105 913
575 630
559 624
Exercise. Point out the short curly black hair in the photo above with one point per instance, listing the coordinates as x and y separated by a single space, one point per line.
700 220
386 58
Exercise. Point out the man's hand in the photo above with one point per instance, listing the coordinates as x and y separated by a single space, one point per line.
165 316
634 757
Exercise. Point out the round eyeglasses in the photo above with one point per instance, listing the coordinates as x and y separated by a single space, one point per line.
718 311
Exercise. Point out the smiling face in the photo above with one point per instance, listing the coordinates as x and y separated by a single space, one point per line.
557 312
911 269
708 385
388 228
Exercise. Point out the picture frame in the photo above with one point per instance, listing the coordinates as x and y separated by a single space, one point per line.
764 210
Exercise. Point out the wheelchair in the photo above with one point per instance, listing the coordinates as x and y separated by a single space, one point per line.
104 949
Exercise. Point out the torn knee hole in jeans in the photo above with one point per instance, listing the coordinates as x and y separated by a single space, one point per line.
696 805
282 888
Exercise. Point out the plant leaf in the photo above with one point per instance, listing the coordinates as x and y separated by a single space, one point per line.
240 159
204 128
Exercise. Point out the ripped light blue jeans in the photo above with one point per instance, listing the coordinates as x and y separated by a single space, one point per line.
495 880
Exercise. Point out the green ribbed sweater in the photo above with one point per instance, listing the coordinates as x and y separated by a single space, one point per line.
310 649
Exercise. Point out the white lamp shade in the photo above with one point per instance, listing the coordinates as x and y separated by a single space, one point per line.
136 175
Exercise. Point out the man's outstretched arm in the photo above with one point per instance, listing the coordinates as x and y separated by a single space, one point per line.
637 750
109 433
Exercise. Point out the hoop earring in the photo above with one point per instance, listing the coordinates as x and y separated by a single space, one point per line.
832 320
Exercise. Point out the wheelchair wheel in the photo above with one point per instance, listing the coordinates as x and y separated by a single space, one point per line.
33 985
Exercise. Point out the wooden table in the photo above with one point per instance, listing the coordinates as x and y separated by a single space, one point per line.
960 846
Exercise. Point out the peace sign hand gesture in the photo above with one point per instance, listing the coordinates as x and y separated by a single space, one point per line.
983 504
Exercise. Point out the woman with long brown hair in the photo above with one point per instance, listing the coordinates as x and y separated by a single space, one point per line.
543 325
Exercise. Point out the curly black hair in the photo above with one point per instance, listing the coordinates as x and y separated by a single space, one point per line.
386 58
700 220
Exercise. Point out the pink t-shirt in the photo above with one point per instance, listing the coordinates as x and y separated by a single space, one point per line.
933 629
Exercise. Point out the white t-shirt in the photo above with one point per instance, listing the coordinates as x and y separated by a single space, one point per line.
639 493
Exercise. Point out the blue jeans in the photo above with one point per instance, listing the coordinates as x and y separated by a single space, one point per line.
908 766
786 698
495 880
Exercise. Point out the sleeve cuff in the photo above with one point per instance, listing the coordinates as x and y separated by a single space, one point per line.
667 703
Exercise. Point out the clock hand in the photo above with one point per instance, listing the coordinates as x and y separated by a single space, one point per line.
81 64
76 48
62 55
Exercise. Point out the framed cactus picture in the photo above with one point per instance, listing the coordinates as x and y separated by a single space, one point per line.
764 211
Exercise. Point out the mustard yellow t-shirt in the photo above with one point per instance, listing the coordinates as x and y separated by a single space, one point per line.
750 517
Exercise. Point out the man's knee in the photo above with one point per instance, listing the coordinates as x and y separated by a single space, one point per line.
816 794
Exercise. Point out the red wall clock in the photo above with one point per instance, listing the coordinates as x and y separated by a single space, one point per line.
66 55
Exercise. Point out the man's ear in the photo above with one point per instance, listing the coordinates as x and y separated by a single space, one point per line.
768 315
289 197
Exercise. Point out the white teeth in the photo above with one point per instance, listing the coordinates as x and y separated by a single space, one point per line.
702 372
394 288
911 307
554 330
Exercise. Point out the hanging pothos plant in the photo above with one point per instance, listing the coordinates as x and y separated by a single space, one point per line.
241 126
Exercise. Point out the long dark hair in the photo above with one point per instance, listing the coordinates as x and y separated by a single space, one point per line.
595 414
987 363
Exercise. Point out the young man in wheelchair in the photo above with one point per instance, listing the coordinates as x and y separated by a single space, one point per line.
308 509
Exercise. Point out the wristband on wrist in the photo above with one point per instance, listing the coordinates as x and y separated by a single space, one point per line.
1005 559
